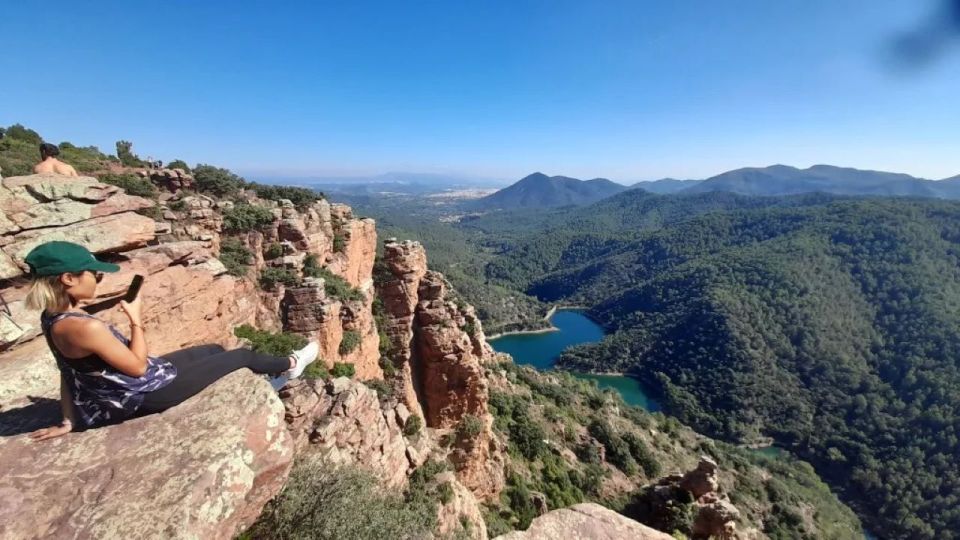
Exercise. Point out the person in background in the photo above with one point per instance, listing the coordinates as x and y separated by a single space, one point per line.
106 377
49 164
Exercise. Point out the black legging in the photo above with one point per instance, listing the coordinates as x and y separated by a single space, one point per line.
199 367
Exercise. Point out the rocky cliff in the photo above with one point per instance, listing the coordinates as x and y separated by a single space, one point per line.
324 257
438 348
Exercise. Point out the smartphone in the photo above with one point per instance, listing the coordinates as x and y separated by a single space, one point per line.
134 288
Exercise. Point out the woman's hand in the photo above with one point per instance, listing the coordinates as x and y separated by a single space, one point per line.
132 310
51 432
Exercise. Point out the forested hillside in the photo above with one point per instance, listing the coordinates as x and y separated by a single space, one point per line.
831 325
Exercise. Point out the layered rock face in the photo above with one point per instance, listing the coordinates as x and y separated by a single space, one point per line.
438 346
114 483
344 422
398 289
586 521
188 299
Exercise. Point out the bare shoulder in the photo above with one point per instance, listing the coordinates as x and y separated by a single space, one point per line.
74 329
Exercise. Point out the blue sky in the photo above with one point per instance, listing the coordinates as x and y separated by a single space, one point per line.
629 90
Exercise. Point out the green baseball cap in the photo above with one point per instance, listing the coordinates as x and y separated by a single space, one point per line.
53 258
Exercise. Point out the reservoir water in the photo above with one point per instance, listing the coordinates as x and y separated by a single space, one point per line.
542 351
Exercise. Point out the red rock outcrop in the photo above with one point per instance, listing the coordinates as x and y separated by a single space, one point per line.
438 346
171 180
715 516
357 243
107 483
585 521
344 421
406 263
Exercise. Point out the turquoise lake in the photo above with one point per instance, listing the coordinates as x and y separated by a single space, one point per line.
543 350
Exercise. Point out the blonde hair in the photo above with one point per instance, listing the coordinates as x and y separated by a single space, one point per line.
47 293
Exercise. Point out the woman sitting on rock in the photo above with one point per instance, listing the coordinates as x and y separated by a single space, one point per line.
105 377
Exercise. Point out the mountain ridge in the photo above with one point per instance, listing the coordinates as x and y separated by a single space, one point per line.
538 190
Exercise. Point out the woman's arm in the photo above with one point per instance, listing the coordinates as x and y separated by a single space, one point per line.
66 407
66 402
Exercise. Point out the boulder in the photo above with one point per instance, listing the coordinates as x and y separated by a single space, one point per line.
117 232
585 521
701 480
203 469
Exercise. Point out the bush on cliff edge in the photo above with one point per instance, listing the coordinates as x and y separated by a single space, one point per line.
321 501
280 344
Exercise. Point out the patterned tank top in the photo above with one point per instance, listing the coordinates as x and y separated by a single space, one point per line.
102 394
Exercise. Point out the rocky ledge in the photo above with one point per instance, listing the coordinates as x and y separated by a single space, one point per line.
116 482
585 521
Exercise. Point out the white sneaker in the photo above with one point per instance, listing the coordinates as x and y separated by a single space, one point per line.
304 357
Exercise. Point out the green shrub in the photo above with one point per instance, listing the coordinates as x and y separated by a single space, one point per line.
641 453
246 217
316 370
179 164
497 524
277 344
20 133
85 160
556 483
590 478
178 205
300 197
343 369
413 425
321 501
311 266
132 184
270 276
154 212
426 472
273 251
17 157
334 285
126 156
383 389
234 256
618 452
339 243
521 505
469 427
389 370
349 342
217 181
445 491
527 435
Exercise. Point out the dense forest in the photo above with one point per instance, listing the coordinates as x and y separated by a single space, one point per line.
828 324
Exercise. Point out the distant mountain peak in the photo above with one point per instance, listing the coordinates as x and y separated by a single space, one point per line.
538 190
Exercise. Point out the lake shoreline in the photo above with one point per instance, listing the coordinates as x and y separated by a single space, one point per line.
550 313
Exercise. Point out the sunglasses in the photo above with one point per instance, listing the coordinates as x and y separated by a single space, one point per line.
96 275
